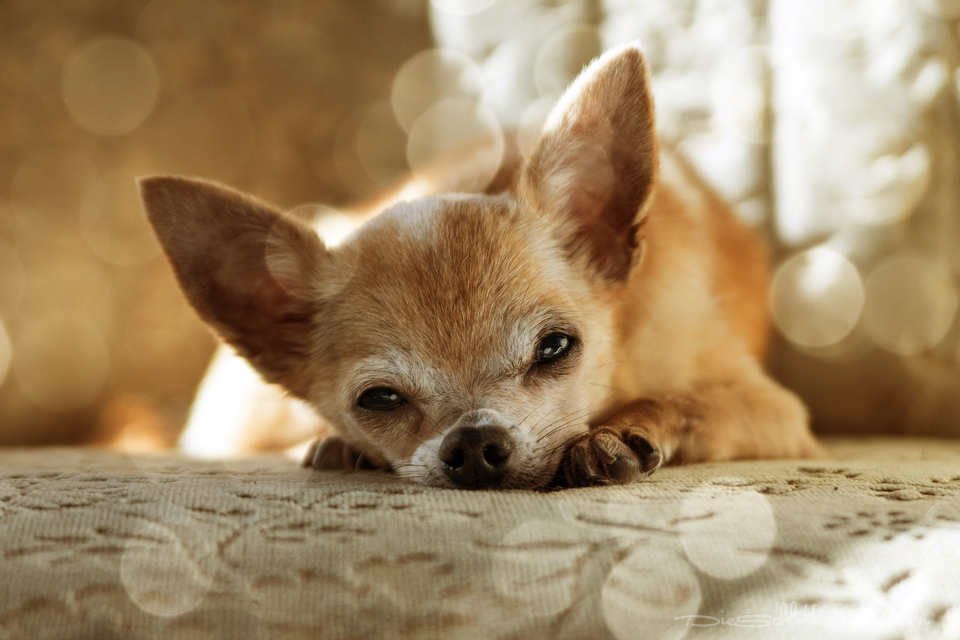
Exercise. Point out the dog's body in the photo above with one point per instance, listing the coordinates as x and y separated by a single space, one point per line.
577 316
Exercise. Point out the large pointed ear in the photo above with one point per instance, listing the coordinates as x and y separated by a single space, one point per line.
245 268
595 166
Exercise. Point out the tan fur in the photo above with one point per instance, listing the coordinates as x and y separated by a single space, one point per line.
444 300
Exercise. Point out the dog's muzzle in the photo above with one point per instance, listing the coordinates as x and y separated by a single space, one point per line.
476 456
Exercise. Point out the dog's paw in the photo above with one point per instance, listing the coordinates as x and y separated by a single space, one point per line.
610 456
333 454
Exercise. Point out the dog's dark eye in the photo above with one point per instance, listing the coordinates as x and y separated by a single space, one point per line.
381 399
553 347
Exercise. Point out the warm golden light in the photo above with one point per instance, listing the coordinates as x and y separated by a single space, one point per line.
816 298
61 364
6 352
48 190
114 224
451 125
432 76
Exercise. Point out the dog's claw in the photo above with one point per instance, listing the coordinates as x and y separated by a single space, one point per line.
649 457
581 471
608 456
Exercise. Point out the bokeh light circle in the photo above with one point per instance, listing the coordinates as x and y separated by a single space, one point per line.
727 535
910 305
110 85
536 564
430 77
165 578
641 598
331 225
816 297
451 127
61 363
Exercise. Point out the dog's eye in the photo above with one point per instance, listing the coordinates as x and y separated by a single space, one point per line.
381 399
553 347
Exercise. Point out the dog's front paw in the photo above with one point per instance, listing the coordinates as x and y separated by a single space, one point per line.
610 456
333 454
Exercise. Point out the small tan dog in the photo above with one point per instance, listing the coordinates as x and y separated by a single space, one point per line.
581 321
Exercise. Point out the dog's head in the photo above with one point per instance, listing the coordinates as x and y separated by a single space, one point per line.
457 338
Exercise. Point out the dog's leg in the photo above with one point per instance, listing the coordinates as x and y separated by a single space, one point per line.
716 422
334 454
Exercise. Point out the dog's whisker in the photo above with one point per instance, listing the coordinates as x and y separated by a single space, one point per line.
564 421
537 408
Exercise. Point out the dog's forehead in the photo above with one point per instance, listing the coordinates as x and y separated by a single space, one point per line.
449 275
445 240
425 223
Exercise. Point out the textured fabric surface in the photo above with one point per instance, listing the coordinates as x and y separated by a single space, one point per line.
864 544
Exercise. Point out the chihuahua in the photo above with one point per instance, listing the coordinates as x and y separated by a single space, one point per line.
594 313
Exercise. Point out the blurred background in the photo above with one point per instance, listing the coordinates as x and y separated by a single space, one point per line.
831 125
266 97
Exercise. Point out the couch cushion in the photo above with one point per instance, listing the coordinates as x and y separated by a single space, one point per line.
864 544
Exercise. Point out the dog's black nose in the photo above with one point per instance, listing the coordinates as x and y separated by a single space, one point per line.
475 457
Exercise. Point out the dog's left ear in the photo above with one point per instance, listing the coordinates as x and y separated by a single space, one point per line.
595 165
249 271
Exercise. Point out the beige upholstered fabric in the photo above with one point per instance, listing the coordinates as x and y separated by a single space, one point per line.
865 544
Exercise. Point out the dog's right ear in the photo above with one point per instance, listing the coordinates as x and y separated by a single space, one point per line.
246 269
595 166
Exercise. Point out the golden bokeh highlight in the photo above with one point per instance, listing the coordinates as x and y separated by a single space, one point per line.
110 85
48 191
429 77
114 223
61 363
816 298
449 127
911 303
332 225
